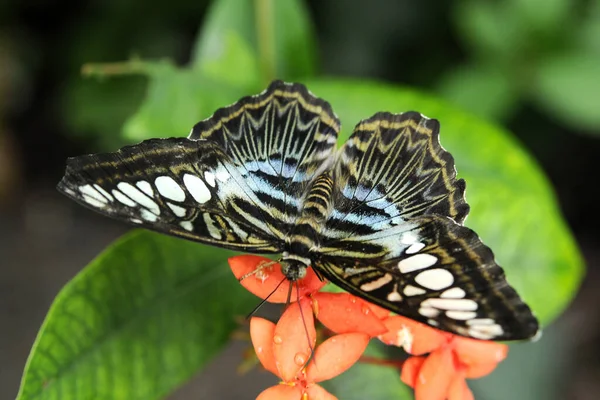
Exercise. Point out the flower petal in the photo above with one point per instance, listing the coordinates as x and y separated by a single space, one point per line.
344 313
316 392
435 375
268 281
281 392
380 312
471 351
336 355
414 337
261 333
410 370
458 389
475 371
291 343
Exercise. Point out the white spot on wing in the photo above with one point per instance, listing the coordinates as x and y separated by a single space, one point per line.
394 296
187 225
485 332
435 279
428 312
210 178
90 192
481 321
416 262
377 283
454 293
411 290
103 192
461 315
145 187
212 229
409 238
138 197
123 199
148 216
197 188
415 248
177 210
93 202
451 304
169 188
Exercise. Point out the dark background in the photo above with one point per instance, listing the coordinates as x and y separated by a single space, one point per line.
49 112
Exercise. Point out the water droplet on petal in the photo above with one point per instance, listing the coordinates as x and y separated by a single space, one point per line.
366 310
349 309
277 339
300 358
352 300
259 349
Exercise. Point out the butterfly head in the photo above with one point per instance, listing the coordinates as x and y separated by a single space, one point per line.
294 267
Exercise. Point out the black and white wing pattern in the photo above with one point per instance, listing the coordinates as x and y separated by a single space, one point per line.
236 182
435 271
281 141
394 234
391 169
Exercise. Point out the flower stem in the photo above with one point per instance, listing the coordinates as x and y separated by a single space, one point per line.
381 361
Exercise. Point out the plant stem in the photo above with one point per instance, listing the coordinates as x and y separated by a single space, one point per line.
381 361
265 37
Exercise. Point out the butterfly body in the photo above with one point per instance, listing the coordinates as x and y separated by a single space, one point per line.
381 217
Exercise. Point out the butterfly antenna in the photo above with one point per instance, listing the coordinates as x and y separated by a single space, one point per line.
310 346
256 270
263 301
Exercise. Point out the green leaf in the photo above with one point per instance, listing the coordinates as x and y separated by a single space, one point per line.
367 381
97 108
512 205
136 323
567 86
484 91
278 32
176 100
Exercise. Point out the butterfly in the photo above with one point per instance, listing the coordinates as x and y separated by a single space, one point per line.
381 217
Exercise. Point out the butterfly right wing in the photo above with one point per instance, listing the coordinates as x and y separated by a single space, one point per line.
182 187
434 271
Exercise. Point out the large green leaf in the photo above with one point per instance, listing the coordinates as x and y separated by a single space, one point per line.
136 323
176 100
512 205
367 381
279 31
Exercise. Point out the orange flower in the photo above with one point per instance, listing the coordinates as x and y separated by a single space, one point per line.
285 348
452 359
339 312
267 281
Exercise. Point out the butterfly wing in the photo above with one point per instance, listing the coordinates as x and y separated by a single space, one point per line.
281 140
236 182
182 187
435 271
391 169
394 234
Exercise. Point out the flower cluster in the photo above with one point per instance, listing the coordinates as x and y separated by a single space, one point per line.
439 363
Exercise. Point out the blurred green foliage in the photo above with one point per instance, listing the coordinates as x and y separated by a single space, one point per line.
546 52
93 323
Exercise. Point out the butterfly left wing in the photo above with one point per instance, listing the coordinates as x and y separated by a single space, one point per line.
432 270
182 187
